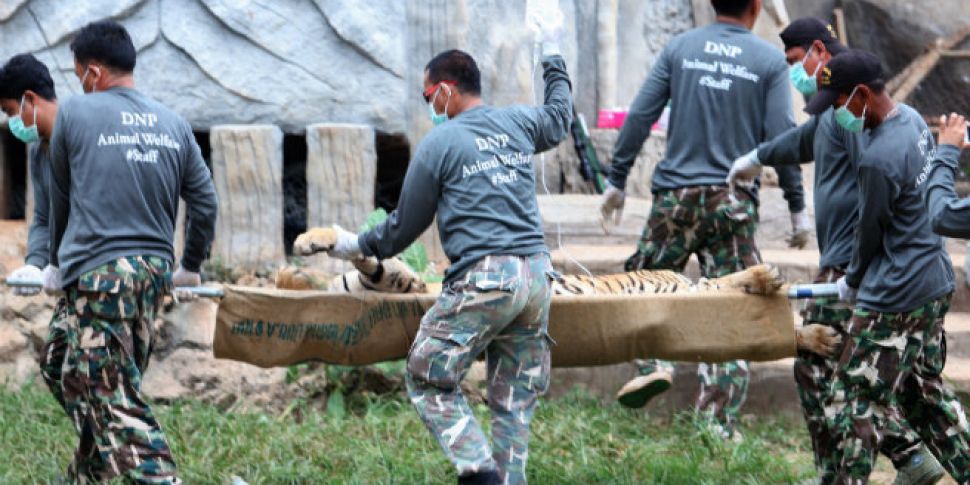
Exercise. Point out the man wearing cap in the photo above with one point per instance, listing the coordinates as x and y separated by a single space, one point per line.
729 91
809 46
899 280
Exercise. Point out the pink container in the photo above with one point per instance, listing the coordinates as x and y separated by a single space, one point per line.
611 118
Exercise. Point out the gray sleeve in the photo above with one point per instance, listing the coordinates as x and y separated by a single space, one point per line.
550 122
876 193
414 213
790 181
60 183
39 234
778 119
949 215
201 207
794 146
646 108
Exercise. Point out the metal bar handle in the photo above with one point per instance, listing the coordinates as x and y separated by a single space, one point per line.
817 290
200 291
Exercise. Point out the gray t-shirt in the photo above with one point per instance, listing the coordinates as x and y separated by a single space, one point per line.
39 235
898 263
475 171
119 162
949 214
836 153
729 91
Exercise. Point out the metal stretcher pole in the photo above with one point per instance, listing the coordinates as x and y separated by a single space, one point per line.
200 291
818 290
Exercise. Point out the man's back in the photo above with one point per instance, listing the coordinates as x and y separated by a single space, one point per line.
488 185
125 159
728 92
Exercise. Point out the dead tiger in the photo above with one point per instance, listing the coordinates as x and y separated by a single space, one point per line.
393 276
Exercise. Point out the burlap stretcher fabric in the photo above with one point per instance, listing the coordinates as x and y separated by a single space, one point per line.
270 327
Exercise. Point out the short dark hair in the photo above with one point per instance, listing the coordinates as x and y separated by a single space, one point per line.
107 42
877 86
22 73
731 8
457 66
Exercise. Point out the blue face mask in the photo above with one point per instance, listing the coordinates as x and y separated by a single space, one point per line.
437 119
849 121
26 134
804 83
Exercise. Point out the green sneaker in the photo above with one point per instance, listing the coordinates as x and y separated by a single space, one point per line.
922 469
641 389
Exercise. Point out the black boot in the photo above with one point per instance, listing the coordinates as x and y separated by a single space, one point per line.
480 478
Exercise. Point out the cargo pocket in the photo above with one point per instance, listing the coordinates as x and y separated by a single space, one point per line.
106 295
740 214
440 358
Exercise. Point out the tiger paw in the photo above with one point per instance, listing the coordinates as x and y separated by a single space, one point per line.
762 280
315 240
819 339
756 280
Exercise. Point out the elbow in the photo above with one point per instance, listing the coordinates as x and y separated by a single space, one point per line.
939 226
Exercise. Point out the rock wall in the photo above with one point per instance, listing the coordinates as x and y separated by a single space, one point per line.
297 62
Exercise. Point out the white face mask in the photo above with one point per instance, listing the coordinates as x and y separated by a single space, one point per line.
437 119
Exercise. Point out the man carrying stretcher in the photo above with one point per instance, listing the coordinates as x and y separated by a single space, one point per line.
474 171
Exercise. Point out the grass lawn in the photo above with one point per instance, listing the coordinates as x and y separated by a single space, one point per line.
576 439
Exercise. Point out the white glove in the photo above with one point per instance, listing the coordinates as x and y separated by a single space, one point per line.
52 280
184 277
801 230
846 292
612 206
745 169
347 246
27 273
546 21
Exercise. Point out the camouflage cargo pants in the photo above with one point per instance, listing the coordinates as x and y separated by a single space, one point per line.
501 308
895 359
813 375
719 229
98 348
55 351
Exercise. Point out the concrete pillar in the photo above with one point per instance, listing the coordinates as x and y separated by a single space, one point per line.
341 172
247 168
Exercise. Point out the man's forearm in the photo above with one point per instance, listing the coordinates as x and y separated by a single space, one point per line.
556 113
793 147
790 181
949 215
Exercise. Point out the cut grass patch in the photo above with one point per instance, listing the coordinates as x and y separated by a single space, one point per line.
576 439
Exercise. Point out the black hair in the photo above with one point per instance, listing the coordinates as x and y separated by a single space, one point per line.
24 72
833 46
877 86
106 42
458 66
731 8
